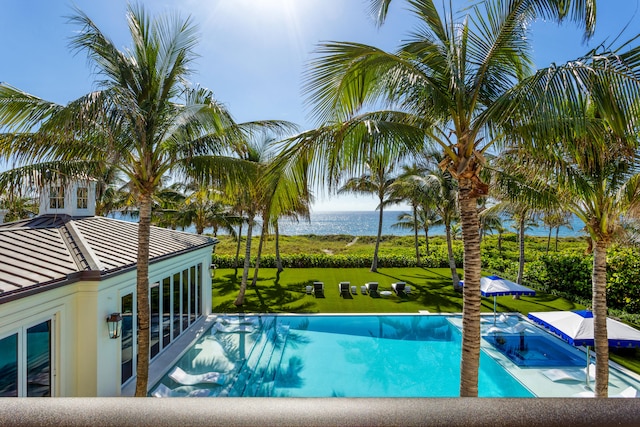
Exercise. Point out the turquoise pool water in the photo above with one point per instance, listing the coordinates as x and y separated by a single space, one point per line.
335 356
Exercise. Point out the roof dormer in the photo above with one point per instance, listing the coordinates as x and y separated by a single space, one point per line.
75 198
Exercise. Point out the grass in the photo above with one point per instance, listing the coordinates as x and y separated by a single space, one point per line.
432 290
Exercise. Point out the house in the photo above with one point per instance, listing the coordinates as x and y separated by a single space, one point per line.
65 272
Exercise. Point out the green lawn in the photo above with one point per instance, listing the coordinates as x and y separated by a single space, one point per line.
431 290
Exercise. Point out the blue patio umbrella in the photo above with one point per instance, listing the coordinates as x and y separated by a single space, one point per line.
576 328
495 286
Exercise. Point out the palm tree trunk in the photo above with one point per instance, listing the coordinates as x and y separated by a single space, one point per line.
471 295
278 258
374 264
426 237
247 263
142 295
521 250
263 234
452 260
235 264
549 240
600 316
415 233
557 233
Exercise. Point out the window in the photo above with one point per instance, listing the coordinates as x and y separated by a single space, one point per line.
177 300
127 337
166 311
199 290
26 362
194 295
39 360
56 197
82 196
154 320
9 366
185 299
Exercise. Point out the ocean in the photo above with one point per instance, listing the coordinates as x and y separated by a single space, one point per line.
365 223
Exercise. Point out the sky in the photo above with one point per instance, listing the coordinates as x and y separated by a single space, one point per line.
252 53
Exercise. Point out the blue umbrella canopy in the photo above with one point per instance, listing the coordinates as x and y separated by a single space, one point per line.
576 327
495 286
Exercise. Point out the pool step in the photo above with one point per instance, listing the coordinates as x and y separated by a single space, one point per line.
256 364
262 385
243 368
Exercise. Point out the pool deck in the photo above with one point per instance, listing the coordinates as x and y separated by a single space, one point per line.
532 378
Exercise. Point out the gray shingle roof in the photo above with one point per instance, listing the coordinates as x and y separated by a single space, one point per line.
49 250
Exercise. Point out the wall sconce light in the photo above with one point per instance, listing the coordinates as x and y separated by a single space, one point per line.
114 323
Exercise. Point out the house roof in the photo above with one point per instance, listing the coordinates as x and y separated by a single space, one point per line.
54 250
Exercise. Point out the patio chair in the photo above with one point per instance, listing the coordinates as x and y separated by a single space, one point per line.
343 287
318 289
181 377
353 290
398 287
372 288
363 290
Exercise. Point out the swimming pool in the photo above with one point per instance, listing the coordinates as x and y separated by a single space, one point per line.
339 356
358 356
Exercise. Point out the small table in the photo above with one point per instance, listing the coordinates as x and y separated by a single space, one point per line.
385 293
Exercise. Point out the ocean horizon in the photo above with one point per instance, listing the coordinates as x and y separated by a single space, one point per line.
365 223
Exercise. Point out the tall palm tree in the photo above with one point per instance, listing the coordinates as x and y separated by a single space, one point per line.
439 87
379 181
599 177
134 121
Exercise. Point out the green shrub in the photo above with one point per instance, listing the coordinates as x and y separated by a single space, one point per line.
623 279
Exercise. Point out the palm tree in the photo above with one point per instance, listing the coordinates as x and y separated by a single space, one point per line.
554 219
439 87
378 181
599 177
405 188
593 164
133 121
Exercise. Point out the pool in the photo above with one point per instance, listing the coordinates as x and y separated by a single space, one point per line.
336 356
534 350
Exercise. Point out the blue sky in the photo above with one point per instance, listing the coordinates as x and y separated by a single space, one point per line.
252 52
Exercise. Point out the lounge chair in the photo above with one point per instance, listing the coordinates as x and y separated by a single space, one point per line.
570 374
181 377
164 391
318 289
398 287
372 288
343 287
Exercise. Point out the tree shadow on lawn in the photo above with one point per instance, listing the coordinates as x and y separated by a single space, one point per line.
283 299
